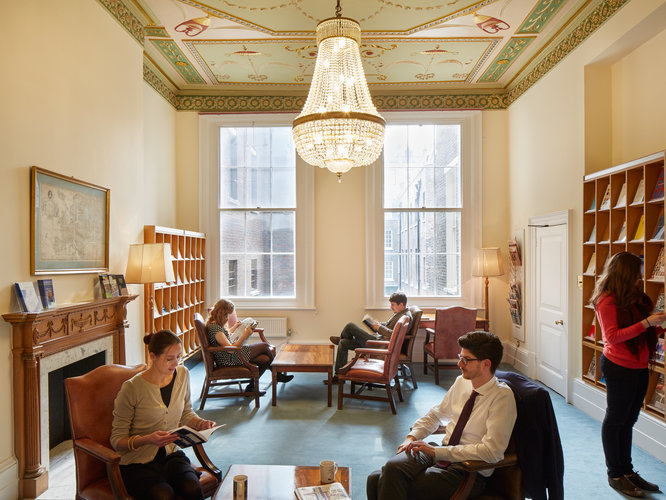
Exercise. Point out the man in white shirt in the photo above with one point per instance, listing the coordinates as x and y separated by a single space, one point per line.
427 471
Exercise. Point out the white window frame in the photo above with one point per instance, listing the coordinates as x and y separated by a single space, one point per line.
471 144
209 180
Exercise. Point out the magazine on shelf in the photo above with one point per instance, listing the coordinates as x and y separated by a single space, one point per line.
27 297
658 191
514 253
593 235
591 333
251 322
591 369
592 264
659 352
46 293
658 269
640 193
640 230
122 285
622 198
605 202
322 492
659 304
658 233
593 205
188 436
622 237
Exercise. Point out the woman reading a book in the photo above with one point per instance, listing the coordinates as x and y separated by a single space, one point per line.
147 408
219 334
629 330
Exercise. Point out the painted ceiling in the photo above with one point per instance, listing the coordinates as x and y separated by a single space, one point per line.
195 49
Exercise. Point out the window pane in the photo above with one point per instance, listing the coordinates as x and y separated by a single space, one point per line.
258 232
232 232
283 275
283 232
425 257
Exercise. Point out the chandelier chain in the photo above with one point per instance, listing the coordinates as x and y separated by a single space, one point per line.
338 10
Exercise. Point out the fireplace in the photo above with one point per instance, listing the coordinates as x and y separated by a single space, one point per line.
44 342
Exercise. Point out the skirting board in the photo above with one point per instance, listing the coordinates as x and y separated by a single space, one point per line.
9 479
593 402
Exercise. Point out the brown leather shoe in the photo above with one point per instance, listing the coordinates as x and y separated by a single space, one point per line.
626 487
641 483
334 339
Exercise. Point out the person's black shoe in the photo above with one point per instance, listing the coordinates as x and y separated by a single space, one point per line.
250 388
334 339
641 483
283 377
624 486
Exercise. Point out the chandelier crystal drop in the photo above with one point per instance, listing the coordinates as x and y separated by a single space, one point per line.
339 127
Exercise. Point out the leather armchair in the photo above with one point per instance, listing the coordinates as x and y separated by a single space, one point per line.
375 366
90 400
223 376
451 323
406 367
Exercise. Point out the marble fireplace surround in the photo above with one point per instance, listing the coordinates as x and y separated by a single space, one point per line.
46 341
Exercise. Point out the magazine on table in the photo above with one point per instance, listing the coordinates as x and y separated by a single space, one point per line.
188 436
322 492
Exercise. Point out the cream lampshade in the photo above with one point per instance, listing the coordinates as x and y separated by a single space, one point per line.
488 262
147 264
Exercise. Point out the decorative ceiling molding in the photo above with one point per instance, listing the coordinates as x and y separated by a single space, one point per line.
588 26
546 9
125 17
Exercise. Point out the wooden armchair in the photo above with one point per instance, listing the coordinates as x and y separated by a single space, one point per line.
90 400
222 376
375 367
451 323
406 368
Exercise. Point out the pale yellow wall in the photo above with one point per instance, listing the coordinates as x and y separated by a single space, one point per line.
639 106
547 141
187 176
75 103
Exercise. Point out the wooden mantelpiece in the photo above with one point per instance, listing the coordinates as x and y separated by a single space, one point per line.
37 335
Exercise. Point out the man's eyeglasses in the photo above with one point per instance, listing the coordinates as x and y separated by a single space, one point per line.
465 359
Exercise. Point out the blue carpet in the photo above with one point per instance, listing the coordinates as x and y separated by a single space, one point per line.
303 430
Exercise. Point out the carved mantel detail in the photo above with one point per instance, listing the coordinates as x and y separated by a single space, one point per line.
37 335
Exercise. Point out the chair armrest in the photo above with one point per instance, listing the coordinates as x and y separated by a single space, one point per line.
97 450
477 465
232 349
378 343
372 352
429 332
206 462
260 332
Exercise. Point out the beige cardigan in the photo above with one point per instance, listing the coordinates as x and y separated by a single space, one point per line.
139 409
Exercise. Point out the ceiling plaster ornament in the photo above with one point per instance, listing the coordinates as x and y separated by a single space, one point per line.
194 27
490 24
339 127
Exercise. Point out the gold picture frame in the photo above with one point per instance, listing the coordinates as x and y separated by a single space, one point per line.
69 225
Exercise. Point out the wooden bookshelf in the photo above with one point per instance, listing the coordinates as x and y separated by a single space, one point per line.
613 228
177 302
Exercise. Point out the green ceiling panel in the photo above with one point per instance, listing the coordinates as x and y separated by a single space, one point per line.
506 57
170 50
540 15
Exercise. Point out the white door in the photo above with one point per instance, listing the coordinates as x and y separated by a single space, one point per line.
551 271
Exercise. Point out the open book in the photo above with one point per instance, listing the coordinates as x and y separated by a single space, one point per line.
189 436
322 492
251 322
368 320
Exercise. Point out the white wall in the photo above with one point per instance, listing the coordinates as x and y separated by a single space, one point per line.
75 103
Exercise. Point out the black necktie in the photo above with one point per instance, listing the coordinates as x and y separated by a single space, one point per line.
460 425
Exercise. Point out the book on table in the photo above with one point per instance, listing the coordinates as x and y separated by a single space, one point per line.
322 492
46 293
27 297
189 437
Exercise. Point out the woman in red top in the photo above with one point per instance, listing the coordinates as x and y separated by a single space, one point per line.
629 331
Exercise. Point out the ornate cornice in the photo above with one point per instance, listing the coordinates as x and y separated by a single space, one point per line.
469 100
156 83
598 16
125 17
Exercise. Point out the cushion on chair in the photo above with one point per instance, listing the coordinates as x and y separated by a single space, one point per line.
231 372
99 490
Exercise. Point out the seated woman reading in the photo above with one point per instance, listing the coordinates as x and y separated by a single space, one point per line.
147 408
219 332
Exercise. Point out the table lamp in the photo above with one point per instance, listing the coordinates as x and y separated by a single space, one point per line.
488 262
147 264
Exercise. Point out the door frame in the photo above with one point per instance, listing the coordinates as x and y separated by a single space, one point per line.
562 217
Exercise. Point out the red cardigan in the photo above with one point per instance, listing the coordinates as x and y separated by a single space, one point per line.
614 338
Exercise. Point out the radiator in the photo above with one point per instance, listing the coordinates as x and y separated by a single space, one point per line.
273 327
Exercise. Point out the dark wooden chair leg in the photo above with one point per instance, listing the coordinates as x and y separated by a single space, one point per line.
425 363
390 398
340 389
411 370
397 387
436 371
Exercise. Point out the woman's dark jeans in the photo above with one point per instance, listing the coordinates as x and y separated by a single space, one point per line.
625 391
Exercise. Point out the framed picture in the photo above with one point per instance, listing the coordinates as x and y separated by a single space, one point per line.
69 225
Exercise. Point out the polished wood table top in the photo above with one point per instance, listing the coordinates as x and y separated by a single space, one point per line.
426 322
304 358
276 482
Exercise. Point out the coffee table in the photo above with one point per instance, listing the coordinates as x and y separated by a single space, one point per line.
276 482
303 358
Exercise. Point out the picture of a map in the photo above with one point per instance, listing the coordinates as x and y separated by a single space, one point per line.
70 225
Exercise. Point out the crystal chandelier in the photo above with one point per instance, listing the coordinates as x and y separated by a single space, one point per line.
339 127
